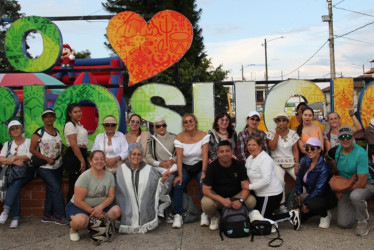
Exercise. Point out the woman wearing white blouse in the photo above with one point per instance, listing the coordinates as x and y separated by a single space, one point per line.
264 182
113 143
192 147
75 159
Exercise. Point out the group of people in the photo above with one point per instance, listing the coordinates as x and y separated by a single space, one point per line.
138 178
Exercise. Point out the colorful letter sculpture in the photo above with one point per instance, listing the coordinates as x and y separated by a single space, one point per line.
148 49
15 44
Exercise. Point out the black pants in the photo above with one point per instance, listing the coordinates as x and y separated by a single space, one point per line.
73 165
320 205
268 204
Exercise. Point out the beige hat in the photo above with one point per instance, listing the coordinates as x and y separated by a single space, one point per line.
110 119
281 114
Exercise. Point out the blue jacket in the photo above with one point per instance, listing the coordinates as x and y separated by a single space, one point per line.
318 179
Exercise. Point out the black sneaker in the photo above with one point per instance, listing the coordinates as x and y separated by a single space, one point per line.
295 219
48 219
62 221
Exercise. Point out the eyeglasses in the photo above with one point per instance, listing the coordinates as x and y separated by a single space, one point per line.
107 125
254 119
281 120
161 126
223 120
343 137
136 122
188 121
307 149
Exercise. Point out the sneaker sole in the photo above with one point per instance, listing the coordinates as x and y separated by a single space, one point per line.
296 220
47 221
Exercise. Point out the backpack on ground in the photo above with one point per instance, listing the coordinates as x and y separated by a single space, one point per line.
235 223
190 213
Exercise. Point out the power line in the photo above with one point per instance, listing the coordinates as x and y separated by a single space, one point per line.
356 40
363 26
310 58
353 11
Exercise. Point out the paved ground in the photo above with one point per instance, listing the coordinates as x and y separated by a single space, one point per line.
33 234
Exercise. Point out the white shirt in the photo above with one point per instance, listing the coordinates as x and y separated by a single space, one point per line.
283 153
192 153
79 130
23 149
262 177
119 145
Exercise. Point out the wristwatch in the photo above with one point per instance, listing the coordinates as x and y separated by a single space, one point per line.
241 200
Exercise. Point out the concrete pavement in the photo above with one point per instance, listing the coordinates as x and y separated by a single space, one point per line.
33 234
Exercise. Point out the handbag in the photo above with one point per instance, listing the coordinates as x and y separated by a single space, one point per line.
3 183
15 172
194 169
100 229
340 184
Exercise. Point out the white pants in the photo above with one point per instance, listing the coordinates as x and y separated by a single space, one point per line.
280 172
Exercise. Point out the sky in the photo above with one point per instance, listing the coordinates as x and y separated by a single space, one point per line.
234 33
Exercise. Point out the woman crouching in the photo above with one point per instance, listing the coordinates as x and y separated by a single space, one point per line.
93 195
139 189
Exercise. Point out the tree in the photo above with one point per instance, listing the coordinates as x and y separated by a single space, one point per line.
83 54
194 66
8 10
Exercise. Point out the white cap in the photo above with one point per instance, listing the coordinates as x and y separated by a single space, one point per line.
14 123
48 111
253 113
159 119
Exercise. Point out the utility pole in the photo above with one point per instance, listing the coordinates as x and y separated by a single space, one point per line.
329 19
266 61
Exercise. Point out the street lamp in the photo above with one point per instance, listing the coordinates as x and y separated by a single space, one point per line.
245 66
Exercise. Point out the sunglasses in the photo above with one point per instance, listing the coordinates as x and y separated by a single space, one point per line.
107 125
307 149
343 137
188 121
224 120
254 119
281 120
161 126
136 122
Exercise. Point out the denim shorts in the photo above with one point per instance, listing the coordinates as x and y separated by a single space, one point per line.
72 209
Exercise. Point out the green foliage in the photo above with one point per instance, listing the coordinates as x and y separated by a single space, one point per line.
8 9
84 54
193 67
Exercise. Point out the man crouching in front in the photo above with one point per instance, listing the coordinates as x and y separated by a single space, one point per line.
222 183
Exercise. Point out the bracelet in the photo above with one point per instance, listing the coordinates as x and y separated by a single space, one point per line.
353 114
204 171
297 164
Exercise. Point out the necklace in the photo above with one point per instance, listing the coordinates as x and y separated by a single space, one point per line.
284 138
225 133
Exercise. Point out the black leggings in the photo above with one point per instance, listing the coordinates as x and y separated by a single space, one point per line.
268 204
73 165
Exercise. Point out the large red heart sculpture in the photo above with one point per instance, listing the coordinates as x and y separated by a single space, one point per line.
149 49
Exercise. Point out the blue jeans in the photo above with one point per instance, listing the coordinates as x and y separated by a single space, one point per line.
54 200
12 199
178 190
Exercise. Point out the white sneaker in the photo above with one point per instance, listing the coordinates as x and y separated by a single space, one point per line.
282 209
13 224
169 218
204 220
74 236
325 221
213 224
295 219
3 217
161 213
178 221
